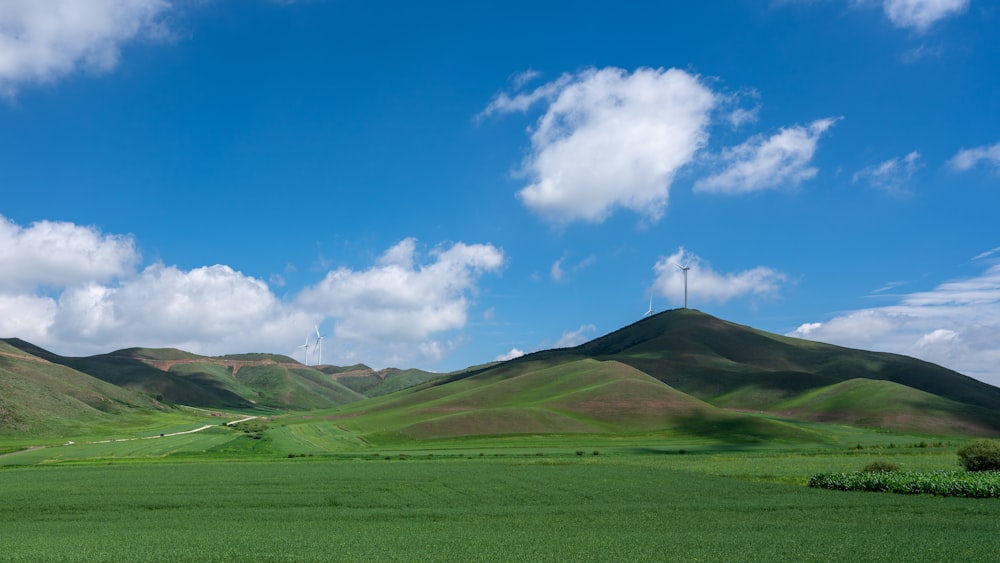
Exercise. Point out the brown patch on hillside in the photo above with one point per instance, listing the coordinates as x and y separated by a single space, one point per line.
233 366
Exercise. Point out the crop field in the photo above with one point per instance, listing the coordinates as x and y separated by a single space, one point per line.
651 505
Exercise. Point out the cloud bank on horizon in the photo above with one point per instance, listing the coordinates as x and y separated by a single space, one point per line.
603 144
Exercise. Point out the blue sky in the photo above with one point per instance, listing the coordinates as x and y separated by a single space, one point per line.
445 184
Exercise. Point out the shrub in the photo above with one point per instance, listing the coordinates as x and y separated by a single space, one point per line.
579 452
881 465
980 455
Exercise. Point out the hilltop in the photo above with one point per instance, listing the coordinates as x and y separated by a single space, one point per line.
688 372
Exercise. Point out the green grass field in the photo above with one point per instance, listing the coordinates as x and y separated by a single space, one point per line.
305 487
624 507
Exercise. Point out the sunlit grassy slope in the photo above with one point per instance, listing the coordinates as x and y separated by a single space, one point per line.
583 396
683 371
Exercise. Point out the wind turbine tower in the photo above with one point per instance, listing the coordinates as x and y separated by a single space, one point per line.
319 346
305 351
685 270
650 311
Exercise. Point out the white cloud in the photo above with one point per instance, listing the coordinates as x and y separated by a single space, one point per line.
401 301
891 176
77 291
920 15
610 139
41 41
705 284
575 337
956 324
58 254
759 163
211 309
967 159
514 353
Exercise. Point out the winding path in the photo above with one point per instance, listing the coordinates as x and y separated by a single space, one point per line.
199 429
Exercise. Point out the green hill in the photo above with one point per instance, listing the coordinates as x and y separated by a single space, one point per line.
370 383
43 398
541 397
740 369
243 381
680 372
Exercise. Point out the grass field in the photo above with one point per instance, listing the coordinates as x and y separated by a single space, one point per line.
640 506
308 487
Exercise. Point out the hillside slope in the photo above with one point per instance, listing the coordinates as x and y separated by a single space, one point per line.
40 397
583 396
243 381
740 367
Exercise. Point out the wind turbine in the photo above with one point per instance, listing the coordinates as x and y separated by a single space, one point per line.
305 351
650 311
685 270
319 346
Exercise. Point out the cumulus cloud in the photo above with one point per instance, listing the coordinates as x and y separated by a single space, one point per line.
920 15
891 176
79 291
514 353
955 324
705 284
966 159
57 254
43 41
575 337
761 163
399 300
609 140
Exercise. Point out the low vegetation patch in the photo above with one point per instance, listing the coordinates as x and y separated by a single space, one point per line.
980 484
980 455
881 466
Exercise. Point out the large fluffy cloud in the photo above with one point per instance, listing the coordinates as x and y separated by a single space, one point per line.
57 254
43 40
399 300
705 284
610 139
759 163
79 291
956 324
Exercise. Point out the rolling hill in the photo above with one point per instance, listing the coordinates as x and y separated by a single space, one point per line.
680 372
740 369
40 397
245 381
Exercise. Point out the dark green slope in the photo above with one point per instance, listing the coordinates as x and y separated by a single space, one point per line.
237 381
737 366
890 406
125 369
44 398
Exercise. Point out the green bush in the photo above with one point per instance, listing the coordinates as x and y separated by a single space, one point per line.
881 465
980 455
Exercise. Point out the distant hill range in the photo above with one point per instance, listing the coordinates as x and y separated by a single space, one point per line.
681 370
